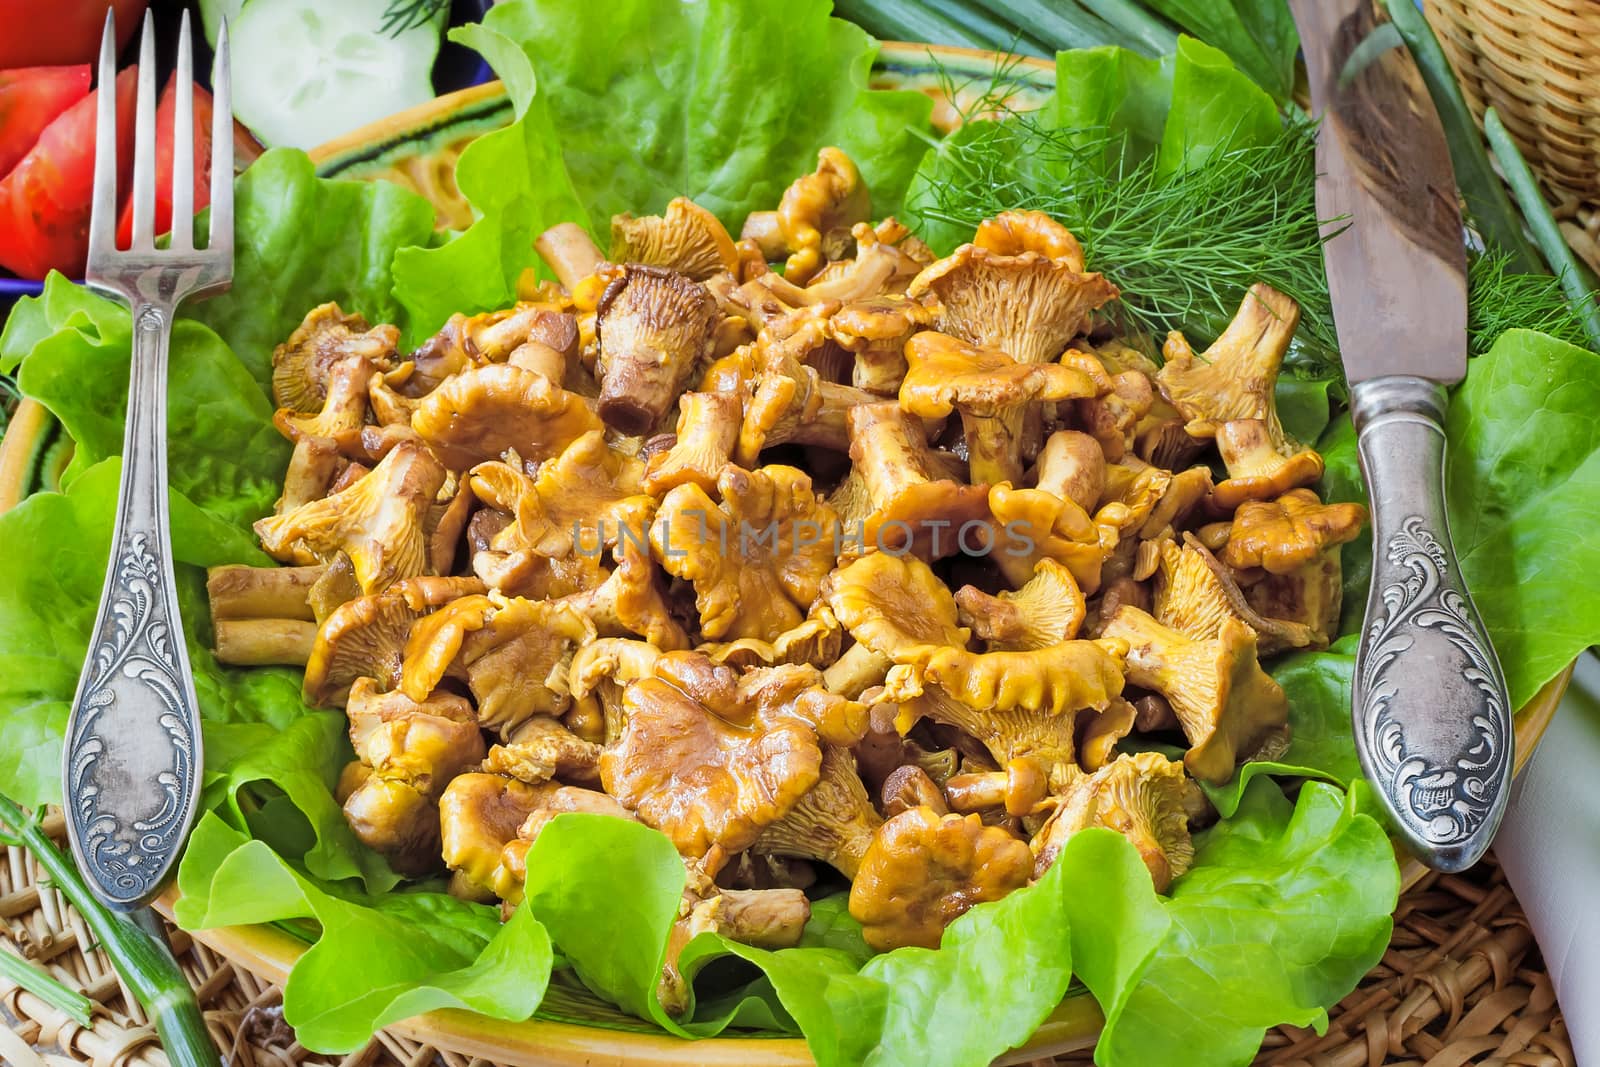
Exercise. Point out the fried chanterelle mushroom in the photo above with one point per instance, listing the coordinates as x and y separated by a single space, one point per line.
828 559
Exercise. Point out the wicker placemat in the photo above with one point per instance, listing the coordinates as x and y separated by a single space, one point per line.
1462 983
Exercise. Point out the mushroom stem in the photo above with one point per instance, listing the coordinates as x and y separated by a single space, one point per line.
241 592
1020 788
1153 714
762 228
312 465
833 822
259 642
766 918
569 252
1073 467
866 276
994 445
540 358
826 427
888 450
853 673
974 792
909 786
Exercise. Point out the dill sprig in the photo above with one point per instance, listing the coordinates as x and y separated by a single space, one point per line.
1183 246
1500 299
403 15
9 395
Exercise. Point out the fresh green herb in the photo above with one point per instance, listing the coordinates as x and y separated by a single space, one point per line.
70 1002
1543 224
403 15
20 972
1184 247
1488 207
1500 299
9 395
1184 242
145 965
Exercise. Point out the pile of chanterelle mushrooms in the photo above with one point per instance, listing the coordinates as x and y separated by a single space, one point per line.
883 562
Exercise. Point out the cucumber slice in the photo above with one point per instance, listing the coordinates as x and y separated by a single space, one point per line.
212 12
306 71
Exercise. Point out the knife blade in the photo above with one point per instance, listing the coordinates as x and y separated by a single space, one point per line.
1429 705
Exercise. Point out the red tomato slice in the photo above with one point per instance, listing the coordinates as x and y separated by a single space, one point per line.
44 201
29 99
37 33
245 149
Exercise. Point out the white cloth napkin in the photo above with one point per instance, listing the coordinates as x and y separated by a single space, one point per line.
1550 848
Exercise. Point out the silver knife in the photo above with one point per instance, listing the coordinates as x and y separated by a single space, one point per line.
1431 715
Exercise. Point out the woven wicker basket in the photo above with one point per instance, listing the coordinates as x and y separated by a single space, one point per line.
1537 62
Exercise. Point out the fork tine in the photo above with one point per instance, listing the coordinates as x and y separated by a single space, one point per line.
103 206
221 238
144 142
183 144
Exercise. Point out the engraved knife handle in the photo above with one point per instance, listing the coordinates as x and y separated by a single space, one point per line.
132 758
1432 718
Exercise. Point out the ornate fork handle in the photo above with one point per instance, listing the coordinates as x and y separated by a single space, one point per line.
133 755
1433 722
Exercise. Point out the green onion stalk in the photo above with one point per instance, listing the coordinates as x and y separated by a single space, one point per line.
145 964
1546 232
20 972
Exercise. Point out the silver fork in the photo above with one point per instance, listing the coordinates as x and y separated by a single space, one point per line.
132 760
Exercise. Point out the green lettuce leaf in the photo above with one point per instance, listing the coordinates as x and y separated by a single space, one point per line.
1342 483
1258 35
712 112
252 767
1112 93
1304 406
516 178
223 452
376 960
1214 108
1287 907
1181 109
1523 475
1320 862
293 250
954 1006
255 727
56 547
614 941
